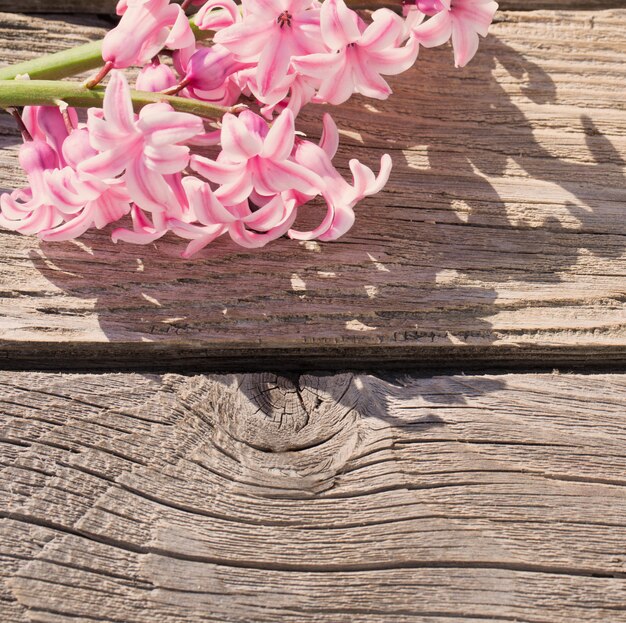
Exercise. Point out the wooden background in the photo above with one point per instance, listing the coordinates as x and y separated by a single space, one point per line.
469 465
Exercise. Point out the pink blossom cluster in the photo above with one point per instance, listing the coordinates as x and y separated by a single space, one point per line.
138 171
120 163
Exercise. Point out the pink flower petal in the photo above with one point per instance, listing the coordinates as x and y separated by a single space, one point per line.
340 25
279 140
329 141
434 31
117 106
238 143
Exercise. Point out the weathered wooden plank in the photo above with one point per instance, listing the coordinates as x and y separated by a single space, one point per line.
501 236
141 498
108 6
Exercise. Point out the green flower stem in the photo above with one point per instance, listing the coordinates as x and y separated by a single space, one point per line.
15 93
88 57
60 65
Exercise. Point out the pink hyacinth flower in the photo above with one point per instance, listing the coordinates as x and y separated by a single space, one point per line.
271 33
339 195
32 210
101 202
463 20
55 193
360 55
256 158
146 27
248 228
145 148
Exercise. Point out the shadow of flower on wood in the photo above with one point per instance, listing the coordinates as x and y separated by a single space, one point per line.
481 218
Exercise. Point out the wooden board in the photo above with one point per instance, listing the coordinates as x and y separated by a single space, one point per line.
108 6
500 238
137 498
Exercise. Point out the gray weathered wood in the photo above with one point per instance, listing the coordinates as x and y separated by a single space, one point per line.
500 238
135 498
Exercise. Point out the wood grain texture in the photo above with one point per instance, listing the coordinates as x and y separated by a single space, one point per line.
108 6
352 498
500 237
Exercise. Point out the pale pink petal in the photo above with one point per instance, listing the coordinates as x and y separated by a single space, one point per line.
161 125
148 189
253 240
117 106
167 159
329 141
394 60
340 25
108 164
238 143
434 31
318 65
155 78
273 177
338 87
365 183
279 140
237 191
217 14
218 172
246 40
367 81
181 35
342 223
384 31
274 60
72 229
267 217
197 245
205 205
464 42
322 228
264 9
